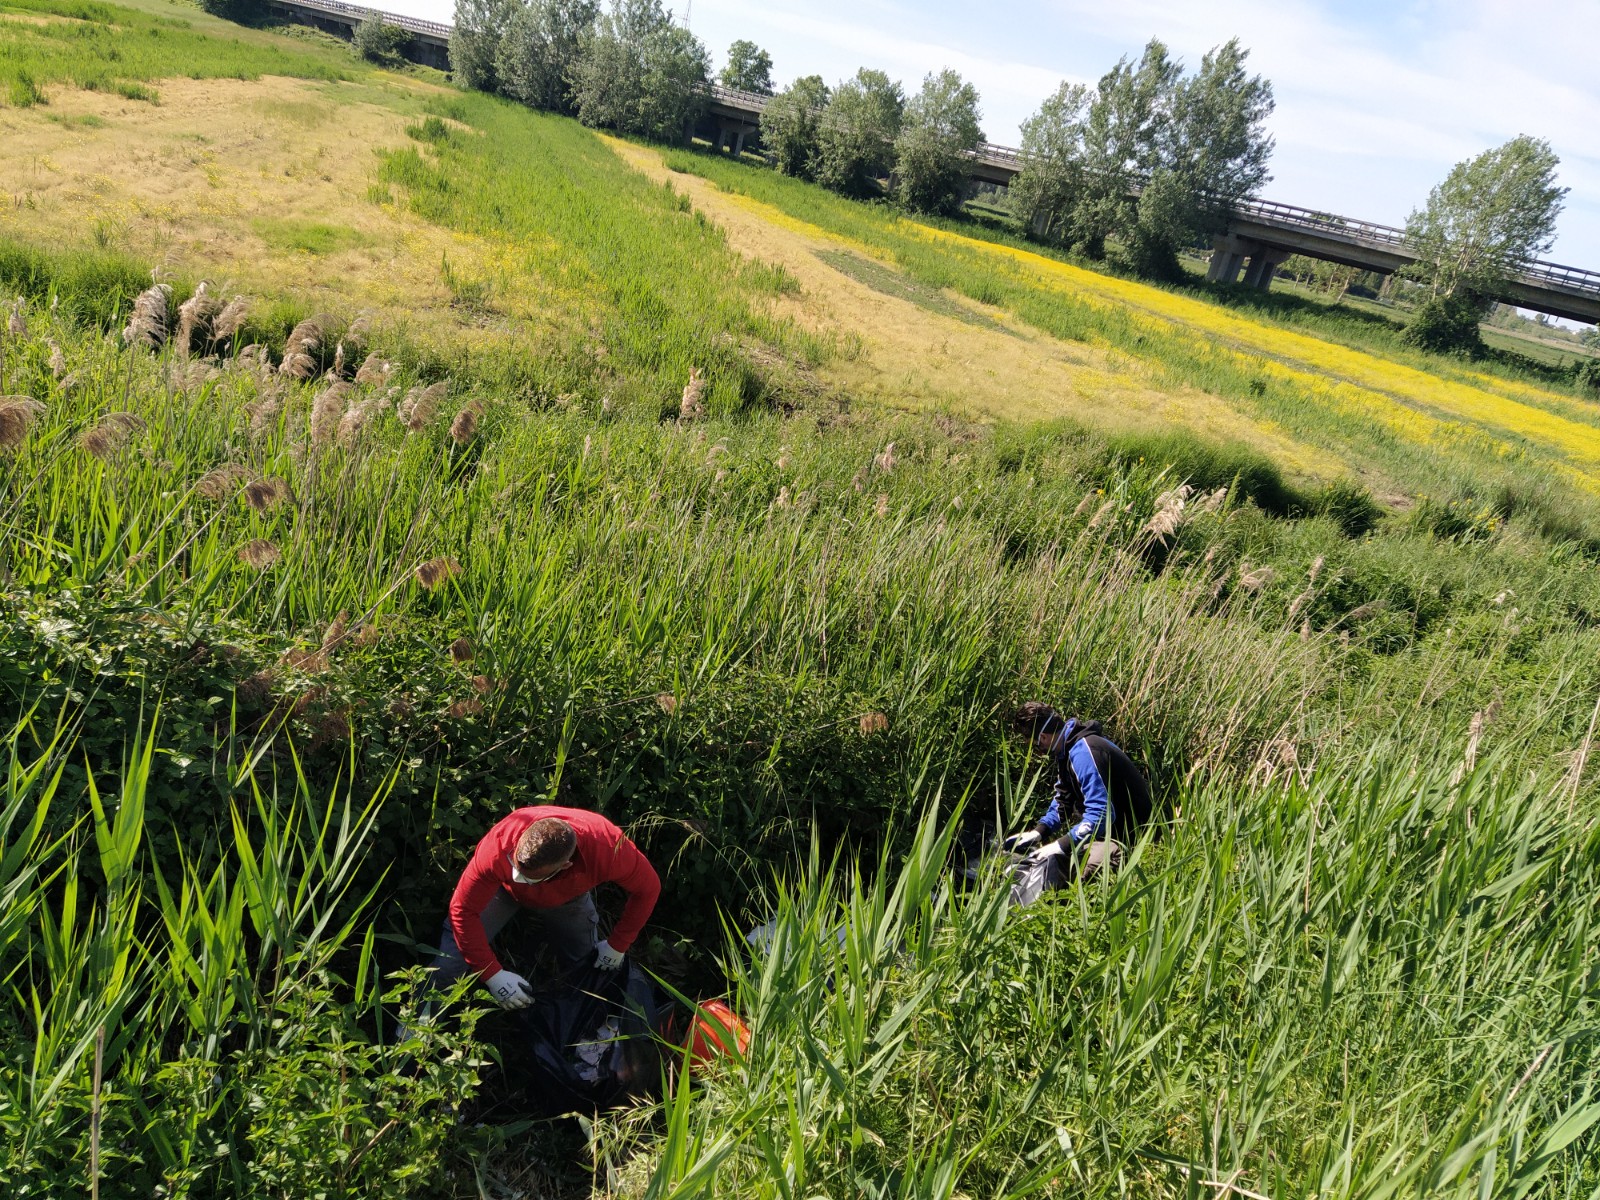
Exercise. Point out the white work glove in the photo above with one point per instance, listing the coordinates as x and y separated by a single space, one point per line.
1021 843
510 989
606 958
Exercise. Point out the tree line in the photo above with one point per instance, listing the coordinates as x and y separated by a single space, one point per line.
1151 158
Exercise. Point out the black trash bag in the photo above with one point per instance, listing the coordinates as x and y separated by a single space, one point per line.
589 1043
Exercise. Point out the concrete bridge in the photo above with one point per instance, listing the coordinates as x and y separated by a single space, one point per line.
429 44
1259 237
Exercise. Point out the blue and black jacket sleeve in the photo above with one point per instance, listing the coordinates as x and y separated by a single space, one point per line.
1078 766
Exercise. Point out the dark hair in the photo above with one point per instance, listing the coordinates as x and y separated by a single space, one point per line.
1035 718
547 842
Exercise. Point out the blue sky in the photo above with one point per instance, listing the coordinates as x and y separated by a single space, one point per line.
1376 98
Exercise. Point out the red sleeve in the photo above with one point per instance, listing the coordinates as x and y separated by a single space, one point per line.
632 871
474 890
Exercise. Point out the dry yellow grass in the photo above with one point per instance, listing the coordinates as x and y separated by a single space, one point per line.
192 182
914 358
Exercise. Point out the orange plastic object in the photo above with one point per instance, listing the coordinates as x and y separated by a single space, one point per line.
716 1028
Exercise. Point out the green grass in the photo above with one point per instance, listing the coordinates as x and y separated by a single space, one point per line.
643 288
1355 960
118 48
779 577
1470 468
309 237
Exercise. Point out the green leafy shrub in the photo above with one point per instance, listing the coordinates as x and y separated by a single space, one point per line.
1447 325
377 41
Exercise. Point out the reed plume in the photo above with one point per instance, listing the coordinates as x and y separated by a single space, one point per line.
228 323
356 337
110 434
258 553
461 650
310 662
667 703
871 723
147 326
1170 513
17 322
303 351
465 426
1254 581
327 411
195 317
436 570
881 506
373 371
420 405
263 411
356 417
690 405
262 494
222 482
336 630
470 707
17 413
885 459
58 360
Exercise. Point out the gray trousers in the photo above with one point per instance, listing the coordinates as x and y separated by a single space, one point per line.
569 929
1047 872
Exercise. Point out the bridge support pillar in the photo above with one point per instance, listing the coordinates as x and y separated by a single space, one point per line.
731 135
1264 264
1228 253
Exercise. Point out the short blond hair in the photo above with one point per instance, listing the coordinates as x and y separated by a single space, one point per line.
547 842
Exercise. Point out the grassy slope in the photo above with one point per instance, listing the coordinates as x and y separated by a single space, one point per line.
1342 965
1442 430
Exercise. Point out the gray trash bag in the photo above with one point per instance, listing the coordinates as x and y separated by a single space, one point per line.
1038 873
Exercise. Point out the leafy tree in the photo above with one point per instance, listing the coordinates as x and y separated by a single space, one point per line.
640 73
235 10
1052 178
475 41
856 138
1479 228
538 55
940 129
1122 139
749 68
377 41
791 124
1211 152
1149 156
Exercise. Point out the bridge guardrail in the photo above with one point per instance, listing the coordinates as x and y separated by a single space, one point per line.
338 8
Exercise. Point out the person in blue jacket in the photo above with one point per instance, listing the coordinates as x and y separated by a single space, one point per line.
1099 803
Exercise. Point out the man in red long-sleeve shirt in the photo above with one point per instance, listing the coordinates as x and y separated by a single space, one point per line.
548 860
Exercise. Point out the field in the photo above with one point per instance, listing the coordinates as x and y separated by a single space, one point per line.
655 483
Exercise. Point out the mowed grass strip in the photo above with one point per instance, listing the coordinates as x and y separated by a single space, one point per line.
115 47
